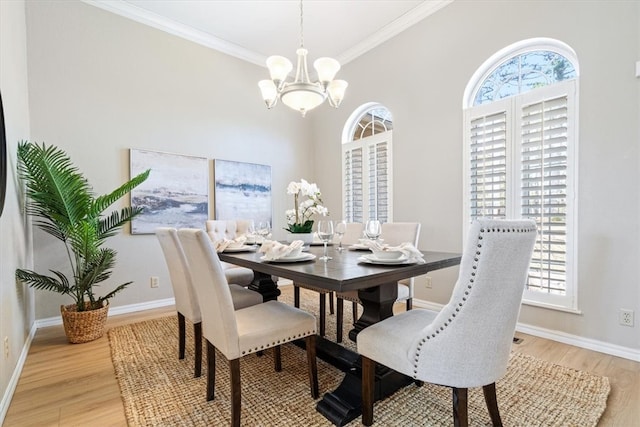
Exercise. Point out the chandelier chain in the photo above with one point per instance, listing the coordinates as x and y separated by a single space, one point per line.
301 26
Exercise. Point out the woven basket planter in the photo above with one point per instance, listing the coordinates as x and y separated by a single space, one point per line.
83 326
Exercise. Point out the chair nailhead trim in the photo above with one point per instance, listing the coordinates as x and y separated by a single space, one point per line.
476 259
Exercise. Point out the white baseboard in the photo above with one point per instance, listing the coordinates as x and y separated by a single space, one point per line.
53 321
113 311
13 382
559 336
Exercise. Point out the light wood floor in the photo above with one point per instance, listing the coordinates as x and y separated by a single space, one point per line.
74 384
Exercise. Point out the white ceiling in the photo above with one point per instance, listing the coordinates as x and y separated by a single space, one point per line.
252 30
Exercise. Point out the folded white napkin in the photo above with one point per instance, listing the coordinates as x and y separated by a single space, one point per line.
221 245
406 248
273 250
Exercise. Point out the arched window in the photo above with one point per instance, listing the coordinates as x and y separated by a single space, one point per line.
366 164
520 144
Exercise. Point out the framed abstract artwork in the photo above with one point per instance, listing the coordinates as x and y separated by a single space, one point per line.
176 194
242 190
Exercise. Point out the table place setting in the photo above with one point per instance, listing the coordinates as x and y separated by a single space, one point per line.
237 244
275 251
384 254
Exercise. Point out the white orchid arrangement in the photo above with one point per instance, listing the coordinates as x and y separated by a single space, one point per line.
299 218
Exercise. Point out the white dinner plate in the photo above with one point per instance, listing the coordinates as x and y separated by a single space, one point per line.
302 257
245 248
370 259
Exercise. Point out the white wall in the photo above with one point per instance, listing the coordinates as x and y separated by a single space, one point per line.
16 301
420 75
101 84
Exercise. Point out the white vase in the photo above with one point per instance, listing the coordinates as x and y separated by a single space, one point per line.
307 238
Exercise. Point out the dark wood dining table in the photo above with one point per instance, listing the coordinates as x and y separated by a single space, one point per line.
377 289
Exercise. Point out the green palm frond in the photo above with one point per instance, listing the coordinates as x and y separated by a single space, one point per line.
113 292
111 224
103 202
64 206
56 191
48 283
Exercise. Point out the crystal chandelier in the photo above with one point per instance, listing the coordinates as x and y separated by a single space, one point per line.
302 94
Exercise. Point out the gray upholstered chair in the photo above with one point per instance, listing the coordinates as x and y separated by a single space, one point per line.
394 234
467 343
237 333
187 304
230 229
351 236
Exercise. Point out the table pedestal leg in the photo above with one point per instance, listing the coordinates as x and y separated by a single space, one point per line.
377 304
264 284
344 404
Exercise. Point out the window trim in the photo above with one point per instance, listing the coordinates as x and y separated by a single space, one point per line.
365 143
513 106
518 48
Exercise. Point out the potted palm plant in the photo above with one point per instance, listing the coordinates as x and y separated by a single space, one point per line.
64 206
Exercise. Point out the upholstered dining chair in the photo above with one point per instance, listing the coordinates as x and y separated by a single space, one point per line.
466 344
230 229
237 333
394 234
186 301
352 234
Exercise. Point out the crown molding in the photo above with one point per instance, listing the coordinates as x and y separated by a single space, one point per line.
151 19
154 20
407 20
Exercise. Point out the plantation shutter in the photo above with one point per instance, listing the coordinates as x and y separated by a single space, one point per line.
367 178
543 185
378 181
353 184
488 163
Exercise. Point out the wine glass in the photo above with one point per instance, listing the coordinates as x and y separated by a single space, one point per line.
340 229
264 228
251 232
373 229
325 233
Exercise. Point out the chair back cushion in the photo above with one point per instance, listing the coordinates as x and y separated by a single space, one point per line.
218 317
226 229
396 233
353 234
183 292
469 341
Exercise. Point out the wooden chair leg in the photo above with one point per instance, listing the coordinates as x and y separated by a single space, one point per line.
181 335
368 378
197 337
310 344
323 314
490 398
339 315
296 296
460 416
331 310
211 371
354 308
277 358
234 368
409 304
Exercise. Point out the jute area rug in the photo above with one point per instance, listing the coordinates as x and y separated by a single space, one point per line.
159 390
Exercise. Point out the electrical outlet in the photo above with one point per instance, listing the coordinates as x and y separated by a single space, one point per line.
427 282
6 348
155 281
625 317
